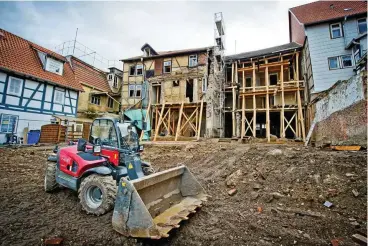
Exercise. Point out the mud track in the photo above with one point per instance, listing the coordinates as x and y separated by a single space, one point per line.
280 194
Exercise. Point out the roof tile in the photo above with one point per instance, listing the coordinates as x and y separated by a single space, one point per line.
20 55
321 11
90 75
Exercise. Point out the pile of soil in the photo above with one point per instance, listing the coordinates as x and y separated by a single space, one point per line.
279 197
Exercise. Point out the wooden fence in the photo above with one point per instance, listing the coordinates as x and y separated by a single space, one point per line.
54 133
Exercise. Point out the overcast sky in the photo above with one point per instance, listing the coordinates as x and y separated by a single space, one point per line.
117 30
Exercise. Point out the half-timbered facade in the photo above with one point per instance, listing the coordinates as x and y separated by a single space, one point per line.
36 84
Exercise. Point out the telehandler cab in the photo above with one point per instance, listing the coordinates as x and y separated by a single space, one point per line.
107 172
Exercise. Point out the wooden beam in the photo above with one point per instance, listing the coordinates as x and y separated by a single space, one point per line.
300 110
159 121
234 101
200 120
267 105
254 100
179 121
263 66
282 115
243 110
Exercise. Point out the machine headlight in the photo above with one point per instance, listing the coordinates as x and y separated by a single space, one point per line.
97 149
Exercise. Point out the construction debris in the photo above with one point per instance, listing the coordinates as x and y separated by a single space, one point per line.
360 239
289 173
232 192
328 204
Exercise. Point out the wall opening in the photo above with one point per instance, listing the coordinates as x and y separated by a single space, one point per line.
189 90
228 133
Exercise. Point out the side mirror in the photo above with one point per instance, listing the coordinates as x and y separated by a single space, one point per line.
82 143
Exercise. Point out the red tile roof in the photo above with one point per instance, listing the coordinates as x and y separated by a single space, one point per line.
20 56
89 75
321 11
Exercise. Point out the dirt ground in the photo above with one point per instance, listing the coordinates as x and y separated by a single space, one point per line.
279 201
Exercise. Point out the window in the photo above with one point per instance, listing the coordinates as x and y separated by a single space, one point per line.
131 70
110 76
346 61
333 63
204 84
138 90
167 67
54 66
362 25
110 102
336 30
176 83
274 78
131 90
193 60
8 123
139 70
115 82
135 90
96 100
78 127
248 82
59 97
15 86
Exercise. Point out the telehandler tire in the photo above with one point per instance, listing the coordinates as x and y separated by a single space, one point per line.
97 194
50 183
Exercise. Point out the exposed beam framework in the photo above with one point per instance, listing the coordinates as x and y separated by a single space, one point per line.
265 95
178 119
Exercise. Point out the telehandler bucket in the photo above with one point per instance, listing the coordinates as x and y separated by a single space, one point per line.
149 207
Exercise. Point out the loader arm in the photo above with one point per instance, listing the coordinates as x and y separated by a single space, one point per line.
151 206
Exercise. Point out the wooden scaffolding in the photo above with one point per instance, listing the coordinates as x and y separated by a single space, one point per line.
250 94
177 120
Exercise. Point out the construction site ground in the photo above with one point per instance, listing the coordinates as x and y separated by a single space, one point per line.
279 197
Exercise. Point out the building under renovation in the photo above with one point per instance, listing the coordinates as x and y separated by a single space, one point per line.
176 94
264 93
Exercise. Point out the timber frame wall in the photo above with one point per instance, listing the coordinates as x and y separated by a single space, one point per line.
247 97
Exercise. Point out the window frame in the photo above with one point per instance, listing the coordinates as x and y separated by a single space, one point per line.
18 94
115 82
140 66
277 78
109 77
364 18
337 62
138 87
97 99
340 28
189 59
109 99
163 67
63 97
129 89
342 61
15 125
130 70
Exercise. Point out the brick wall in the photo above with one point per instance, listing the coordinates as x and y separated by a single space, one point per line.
341 114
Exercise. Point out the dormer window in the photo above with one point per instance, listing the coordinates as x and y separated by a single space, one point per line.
146 52
54 66
115 82
110 77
